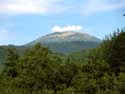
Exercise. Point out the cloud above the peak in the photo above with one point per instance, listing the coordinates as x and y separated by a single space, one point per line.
74 28
31 6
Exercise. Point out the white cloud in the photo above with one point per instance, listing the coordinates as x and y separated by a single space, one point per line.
31 6
95 6
67 28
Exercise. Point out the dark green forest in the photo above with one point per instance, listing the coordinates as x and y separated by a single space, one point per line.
38 70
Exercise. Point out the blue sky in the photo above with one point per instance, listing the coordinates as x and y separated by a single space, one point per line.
22 21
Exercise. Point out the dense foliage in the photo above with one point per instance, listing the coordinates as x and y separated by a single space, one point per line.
39 71
70 47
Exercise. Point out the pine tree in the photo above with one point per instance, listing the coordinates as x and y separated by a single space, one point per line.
11 61
117 53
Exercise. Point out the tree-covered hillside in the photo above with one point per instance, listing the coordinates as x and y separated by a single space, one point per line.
70 47
39 71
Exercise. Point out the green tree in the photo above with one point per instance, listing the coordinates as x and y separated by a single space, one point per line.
11 62
116 56
37 70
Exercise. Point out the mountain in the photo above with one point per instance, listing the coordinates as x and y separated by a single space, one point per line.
65 37
67 42
59 42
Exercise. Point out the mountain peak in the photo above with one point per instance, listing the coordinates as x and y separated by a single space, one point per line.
61 34
67 42
67 36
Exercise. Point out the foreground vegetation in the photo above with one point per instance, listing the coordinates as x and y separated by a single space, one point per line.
39 71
